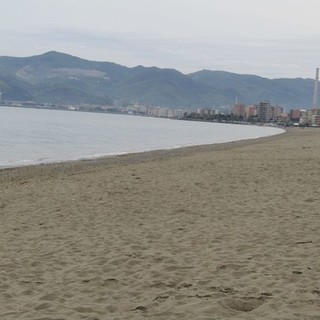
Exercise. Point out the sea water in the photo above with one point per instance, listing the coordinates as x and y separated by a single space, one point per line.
34 136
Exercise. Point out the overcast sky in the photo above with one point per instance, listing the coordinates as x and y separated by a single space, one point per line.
270 38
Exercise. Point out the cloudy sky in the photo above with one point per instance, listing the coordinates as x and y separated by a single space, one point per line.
270 38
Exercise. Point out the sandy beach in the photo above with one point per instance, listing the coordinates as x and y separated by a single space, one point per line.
214 232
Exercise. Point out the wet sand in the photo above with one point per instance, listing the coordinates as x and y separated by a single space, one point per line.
215 232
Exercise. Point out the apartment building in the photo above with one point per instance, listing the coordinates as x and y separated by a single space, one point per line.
264 111
239 110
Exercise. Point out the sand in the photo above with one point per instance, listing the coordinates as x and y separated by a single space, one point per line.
214 232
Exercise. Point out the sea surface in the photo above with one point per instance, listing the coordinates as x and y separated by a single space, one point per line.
34 136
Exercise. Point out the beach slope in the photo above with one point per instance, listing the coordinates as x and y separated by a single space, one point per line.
215 232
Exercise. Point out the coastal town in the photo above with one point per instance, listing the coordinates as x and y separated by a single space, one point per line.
262 113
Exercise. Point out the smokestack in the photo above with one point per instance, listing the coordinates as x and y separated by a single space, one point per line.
315 92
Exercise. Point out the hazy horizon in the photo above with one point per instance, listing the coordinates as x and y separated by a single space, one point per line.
272 39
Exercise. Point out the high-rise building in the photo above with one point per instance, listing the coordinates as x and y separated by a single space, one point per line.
251 111
264 112
295 114
238 110
276 112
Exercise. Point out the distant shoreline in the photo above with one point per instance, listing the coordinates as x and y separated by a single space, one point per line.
64 108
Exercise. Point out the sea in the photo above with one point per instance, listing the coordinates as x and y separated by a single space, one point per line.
35 136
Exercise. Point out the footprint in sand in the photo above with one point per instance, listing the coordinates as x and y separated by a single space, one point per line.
43 306
242 304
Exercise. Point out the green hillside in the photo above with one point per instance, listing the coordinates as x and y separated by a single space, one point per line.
60 78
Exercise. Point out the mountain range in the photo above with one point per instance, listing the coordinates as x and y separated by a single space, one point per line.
59 78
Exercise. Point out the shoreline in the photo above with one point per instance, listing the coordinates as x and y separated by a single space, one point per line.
225 231
81 151
135 157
